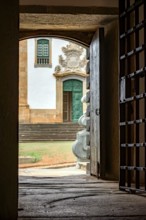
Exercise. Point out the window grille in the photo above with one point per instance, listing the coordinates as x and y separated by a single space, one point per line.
43 53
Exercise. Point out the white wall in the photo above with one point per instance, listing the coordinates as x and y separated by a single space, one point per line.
41 82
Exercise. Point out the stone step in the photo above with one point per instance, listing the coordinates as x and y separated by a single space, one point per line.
40 132
51 125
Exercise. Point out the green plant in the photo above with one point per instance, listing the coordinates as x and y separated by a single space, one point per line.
50 152
36 156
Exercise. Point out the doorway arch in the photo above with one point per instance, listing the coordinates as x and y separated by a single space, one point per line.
10 117
82 39
56 113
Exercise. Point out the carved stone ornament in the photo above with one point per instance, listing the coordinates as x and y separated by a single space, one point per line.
73 61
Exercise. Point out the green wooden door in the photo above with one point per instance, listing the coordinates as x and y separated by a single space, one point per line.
77 109
75 86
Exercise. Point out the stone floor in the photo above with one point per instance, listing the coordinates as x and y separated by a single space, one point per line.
70 194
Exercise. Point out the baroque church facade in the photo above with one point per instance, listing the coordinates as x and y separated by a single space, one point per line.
52 81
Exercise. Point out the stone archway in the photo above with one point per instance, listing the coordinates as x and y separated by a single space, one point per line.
28 115
9 112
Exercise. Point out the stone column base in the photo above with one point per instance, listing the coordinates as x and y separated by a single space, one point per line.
24 114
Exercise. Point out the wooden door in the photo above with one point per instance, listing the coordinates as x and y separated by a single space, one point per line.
77 109
72 105
67 106
76 106
96 68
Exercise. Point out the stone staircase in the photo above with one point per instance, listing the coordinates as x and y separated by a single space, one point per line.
48 132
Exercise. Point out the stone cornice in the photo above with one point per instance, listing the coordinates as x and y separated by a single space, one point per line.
63 74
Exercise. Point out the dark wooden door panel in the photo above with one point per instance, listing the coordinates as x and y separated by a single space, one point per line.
67 106
96 50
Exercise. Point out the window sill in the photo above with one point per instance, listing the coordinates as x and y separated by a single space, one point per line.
43 65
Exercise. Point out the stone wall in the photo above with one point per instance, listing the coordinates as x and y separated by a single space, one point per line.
24 113
45 116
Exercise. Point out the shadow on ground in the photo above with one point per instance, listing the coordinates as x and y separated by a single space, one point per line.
68 193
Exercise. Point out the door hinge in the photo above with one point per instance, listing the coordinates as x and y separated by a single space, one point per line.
98 170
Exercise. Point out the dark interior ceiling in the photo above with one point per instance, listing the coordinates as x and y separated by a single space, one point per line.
73 22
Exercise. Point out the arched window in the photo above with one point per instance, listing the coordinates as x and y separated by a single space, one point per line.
43 53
